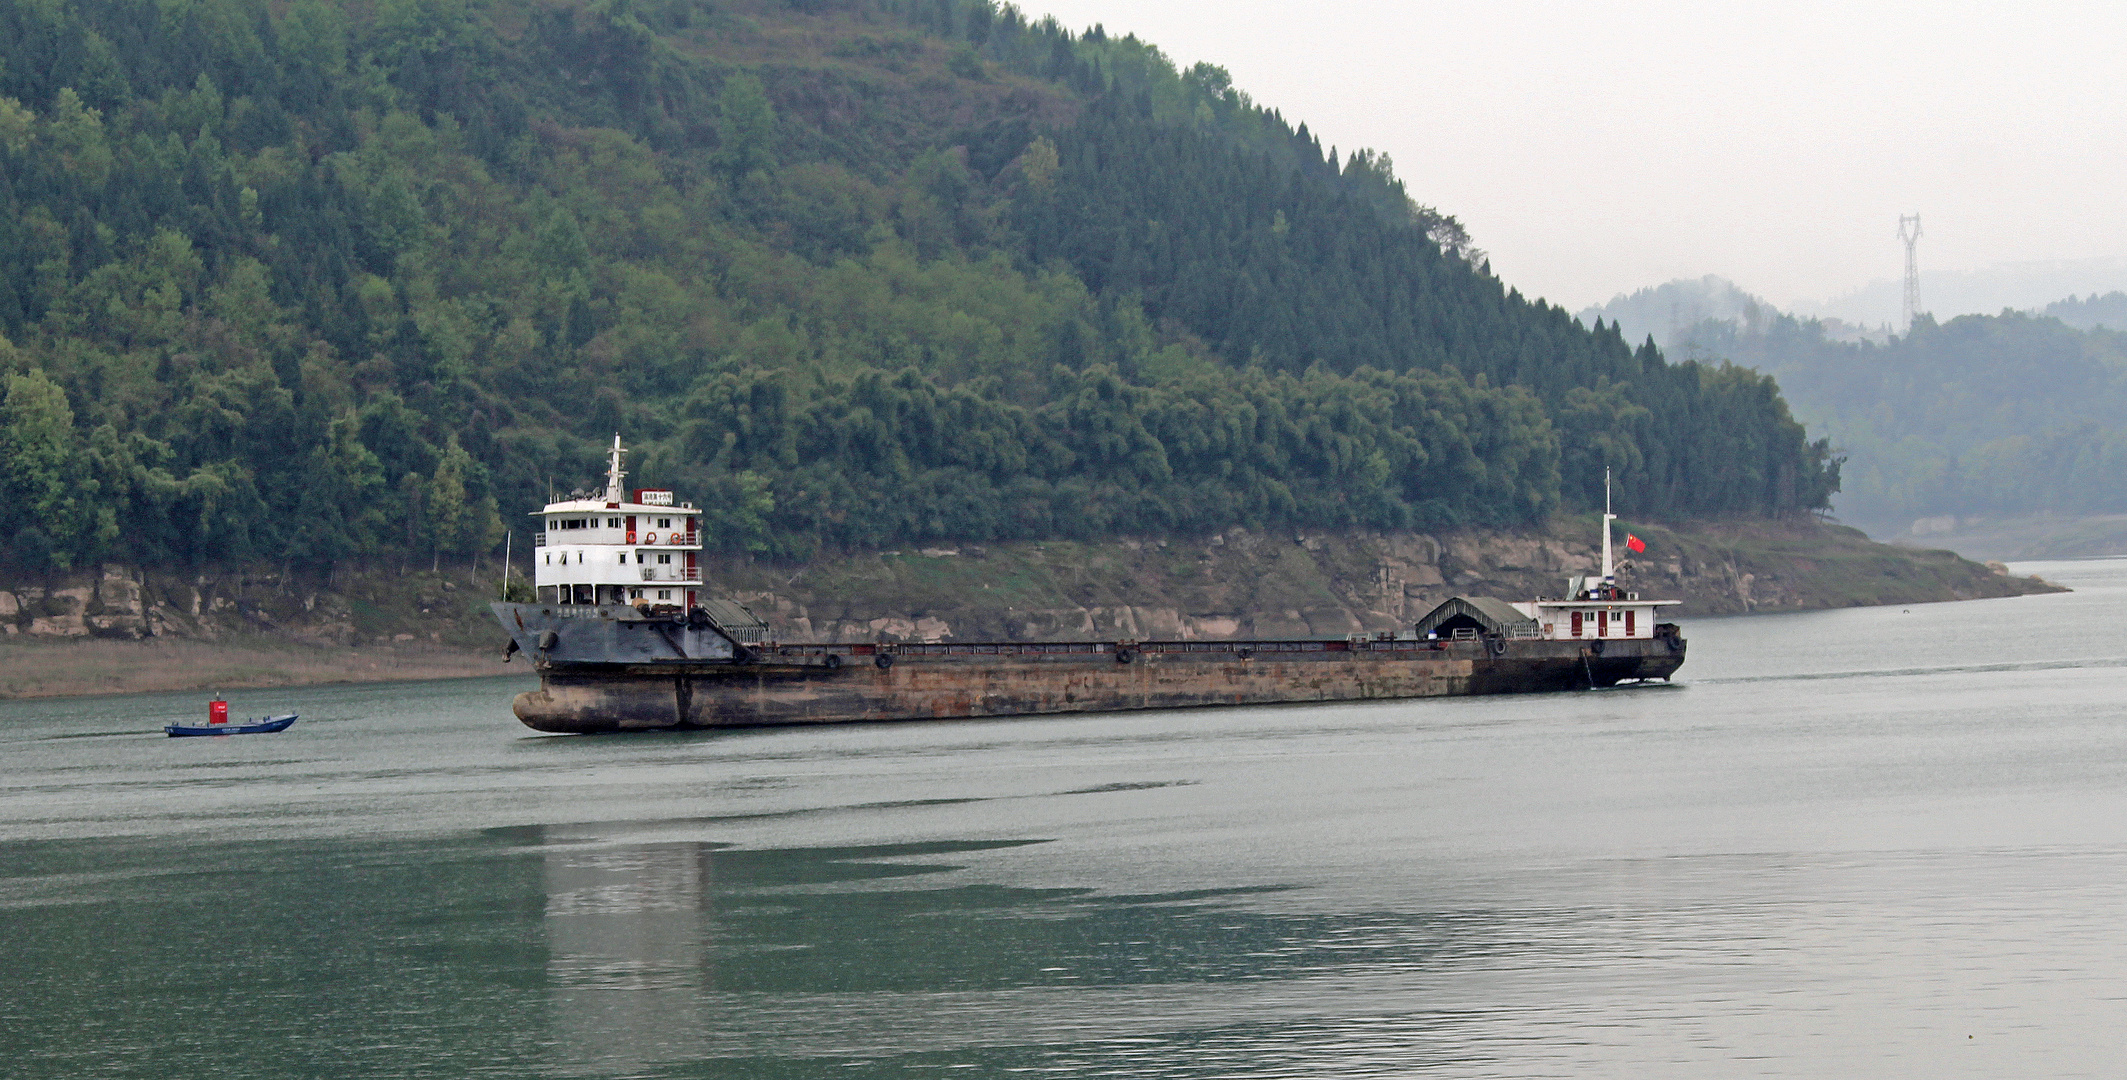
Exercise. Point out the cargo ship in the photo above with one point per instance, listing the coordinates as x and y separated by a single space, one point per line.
625 638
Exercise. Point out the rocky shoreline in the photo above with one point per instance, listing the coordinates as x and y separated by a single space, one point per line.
1303 584
117 629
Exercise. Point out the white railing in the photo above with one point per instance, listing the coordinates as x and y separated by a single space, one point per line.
627 538
664 538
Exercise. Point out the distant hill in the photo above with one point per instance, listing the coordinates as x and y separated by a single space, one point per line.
1983 415
1673 313
2092 312
1670 311
308 280
1988 290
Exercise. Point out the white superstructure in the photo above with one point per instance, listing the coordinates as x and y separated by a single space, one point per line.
638 548
1596 609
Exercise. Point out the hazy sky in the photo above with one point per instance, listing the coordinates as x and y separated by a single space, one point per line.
1594 148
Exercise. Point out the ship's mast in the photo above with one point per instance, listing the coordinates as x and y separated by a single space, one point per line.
1609 570
615 493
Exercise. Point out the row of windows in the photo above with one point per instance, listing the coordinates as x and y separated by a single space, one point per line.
592 523
663 558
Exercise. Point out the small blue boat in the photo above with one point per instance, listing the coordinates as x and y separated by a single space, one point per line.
256 727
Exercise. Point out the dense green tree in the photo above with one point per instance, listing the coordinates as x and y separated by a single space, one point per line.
41 484
320 280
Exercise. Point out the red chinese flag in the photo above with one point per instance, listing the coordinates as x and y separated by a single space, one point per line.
1634 544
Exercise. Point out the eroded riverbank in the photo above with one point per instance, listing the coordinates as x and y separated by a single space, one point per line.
121 629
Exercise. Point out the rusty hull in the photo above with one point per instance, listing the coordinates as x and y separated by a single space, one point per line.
801 685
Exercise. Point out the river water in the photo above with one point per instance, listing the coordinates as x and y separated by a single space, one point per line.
1863 843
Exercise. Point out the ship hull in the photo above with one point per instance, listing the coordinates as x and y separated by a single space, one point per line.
786 685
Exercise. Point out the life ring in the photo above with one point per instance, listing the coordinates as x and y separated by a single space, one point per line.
883 661
650 538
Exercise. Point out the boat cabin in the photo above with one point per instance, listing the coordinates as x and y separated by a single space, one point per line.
1594 609
640 548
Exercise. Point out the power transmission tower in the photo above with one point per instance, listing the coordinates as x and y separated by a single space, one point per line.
1909 231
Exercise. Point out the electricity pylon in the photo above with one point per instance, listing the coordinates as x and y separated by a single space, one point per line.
1909 231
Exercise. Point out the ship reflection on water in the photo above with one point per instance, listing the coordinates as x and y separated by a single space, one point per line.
668 953
627 941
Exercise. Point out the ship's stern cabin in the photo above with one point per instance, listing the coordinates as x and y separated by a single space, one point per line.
1598 610
643 551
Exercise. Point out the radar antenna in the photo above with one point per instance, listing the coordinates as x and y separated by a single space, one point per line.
1909 231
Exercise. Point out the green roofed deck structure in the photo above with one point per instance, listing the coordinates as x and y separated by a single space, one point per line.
1476 616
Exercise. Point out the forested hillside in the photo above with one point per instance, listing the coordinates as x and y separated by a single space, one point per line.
1982 415
312 280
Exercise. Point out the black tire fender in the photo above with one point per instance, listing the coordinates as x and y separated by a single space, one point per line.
548 639
833 662
1124 656
1595 648
883 661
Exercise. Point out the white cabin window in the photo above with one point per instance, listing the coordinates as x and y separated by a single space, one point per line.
664 523
612 523
550 558
664 594
663 559
623 556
